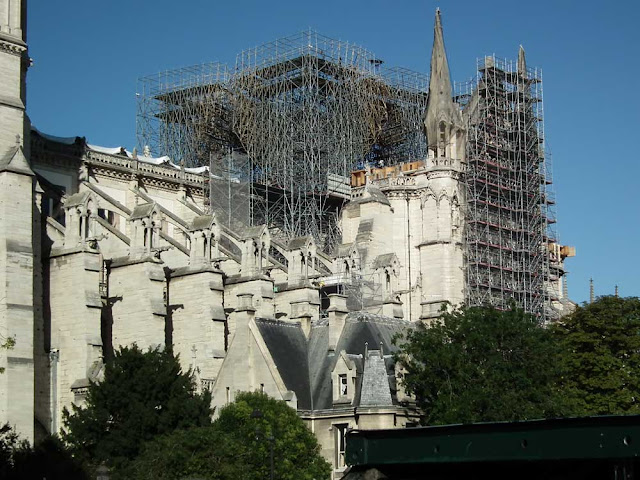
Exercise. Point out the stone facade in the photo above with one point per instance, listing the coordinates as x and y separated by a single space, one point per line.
101 248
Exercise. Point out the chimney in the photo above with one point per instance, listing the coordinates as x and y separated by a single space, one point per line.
337 316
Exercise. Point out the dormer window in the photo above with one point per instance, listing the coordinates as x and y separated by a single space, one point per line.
342 384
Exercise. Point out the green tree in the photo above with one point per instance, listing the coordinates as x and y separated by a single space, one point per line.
47 459
143 394
10 443
238 445
601 357
480 364
198 452
6 343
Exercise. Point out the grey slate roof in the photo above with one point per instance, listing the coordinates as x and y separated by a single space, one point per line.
298 242
142 210
385 260
252 232
373 194
202 222
343 250
15 161
375 390
306 364
288 347
76 199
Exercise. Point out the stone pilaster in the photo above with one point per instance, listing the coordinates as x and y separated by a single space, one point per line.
76 339
260 286
240 375
200 328
16 288
138 291
392 308
295 302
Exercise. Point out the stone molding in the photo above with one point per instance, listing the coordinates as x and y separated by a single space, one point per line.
12 47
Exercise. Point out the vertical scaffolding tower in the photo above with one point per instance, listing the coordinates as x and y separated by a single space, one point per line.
507 183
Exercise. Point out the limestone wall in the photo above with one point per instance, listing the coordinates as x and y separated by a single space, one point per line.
200 329
75 316
139 310
16 301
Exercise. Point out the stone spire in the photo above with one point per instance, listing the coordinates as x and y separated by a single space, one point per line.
442 113
592 296
522 62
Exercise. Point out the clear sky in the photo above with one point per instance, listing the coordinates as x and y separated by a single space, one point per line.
88 54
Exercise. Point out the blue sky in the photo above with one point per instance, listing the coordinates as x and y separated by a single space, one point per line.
88 55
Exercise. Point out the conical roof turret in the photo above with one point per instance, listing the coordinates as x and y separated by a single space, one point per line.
440 106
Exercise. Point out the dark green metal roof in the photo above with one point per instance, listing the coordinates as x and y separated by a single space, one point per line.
591 438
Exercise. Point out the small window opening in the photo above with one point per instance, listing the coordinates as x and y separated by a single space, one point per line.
341 432
342 382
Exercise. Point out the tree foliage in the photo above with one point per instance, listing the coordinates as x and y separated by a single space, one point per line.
237 445
6 343
601 357
143 394
47 459
480 364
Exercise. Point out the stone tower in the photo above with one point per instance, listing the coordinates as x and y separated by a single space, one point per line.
16 226
441 253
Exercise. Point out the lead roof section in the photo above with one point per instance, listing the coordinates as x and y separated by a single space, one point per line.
305 365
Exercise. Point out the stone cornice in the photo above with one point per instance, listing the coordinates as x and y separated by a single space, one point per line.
63 251
51 154
12 45
448 173
12 39
11 102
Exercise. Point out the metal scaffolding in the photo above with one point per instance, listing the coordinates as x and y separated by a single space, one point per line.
185 113
302 112
509 205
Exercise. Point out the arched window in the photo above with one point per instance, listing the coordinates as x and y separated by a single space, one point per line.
442 140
